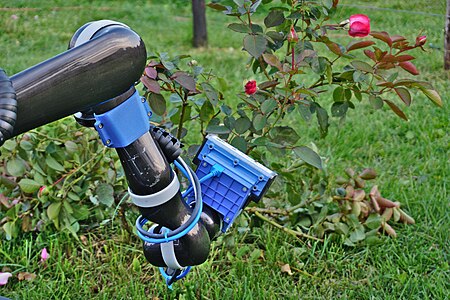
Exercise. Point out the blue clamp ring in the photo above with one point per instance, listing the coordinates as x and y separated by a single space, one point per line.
125 123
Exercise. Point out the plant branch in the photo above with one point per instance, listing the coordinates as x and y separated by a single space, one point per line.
297 234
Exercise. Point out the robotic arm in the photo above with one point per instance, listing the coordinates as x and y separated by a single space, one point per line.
94 80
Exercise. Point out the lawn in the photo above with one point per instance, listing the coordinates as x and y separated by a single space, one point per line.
411 157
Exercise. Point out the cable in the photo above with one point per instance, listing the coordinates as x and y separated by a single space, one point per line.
185 227
216 170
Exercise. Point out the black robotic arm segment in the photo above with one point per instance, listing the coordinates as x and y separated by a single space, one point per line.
95 71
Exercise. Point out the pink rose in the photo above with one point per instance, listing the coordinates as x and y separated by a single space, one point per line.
250 87
293 37
359 25
421 40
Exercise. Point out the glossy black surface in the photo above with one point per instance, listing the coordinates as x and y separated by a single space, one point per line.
80 78
148 172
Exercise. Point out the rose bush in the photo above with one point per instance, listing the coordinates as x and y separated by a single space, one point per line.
300 69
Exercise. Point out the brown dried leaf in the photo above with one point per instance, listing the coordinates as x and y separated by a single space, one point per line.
359 195
26 276
388 229
286 269
385 203
368 174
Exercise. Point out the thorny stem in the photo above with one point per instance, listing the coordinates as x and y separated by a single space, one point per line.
183 112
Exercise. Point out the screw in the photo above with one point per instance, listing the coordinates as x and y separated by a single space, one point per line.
108 142
143 100
205 164
100 125
149 114
244 189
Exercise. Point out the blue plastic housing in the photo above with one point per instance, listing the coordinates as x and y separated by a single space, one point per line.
125 123
242 179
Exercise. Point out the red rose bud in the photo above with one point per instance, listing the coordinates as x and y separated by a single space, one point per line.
359 25
250 87
293 37
421 40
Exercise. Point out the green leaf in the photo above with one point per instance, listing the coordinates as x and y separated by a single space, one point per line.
322 119
26 145
71 147
339 94
357 235
373 221
309 156
29 186
217 129
157 103
259 121
206 112
211 93
319 64
272 60
432 95
10 145
396 110
239 27
242 125
217 6
376 102
15 167
284 135
255 44
404 94
53 210
240 143
362 66
339 109
268 106
54 164
105 194
274 18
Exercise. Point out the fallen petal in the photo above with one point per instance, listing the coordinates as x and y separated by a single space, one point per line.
44 255
4 277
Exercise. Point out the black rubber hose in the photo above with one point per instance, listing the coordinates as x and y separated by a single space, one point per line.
8 107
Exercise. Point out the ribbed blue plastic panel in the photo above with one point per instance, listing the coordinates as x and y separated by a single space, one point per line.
243 179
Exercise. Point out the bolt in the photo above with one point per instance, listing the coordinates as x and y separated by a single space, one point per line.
100 125
108 142
149 114
143 100
205 164
244 189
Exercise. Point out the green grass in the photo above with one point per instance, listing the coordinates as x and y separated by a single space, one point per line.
411 157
